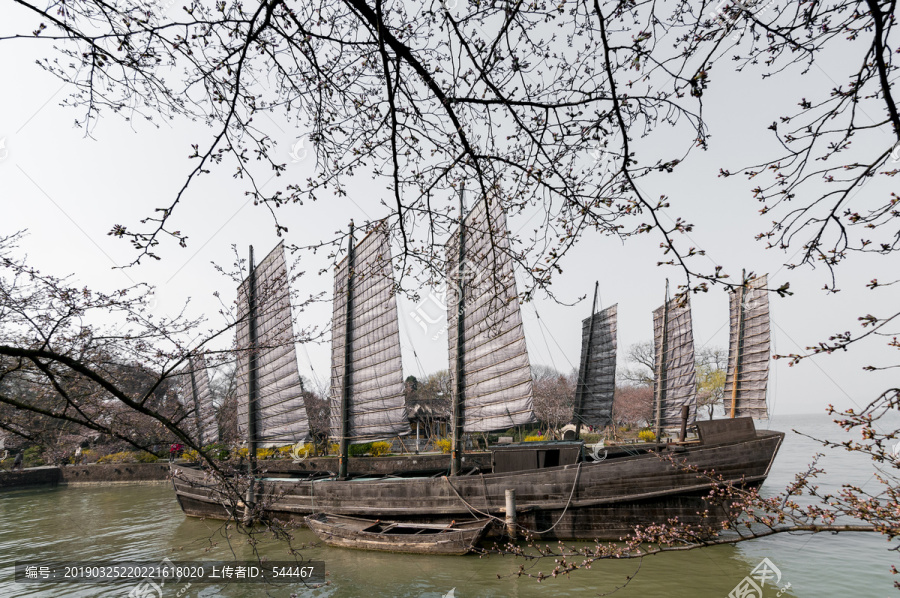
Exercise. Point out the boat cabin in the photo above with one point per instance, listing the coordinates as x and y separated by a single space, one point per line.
535 455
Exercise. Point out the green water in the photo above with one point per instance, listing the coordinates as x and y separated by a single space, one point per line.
145 523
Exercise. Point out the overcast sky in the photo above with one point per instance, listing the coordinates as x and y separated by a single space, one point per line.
68 189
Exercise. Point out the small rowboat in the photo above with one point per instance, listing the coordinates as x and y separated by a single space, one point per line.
393 536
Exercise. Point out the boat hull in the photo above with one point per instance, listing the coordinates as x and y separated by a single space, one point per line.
589 500
348 532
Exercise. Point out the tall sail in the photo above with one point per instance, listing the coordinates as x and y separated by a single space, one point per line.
193 390
748 350
280 414
497 375
675 382
377 406
597 369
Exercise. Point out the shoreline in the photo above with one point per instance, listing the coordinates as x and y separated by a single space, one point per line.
111 474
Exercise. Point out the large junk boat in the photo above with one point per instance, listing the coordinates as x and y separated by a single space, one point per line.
562 490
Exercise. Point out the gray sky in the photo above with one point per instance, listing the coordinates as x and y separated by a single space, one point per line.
68 189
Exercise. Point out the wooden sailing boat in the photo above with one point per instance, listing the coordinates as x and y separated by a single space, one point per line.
559 493
597 369
192 384
675 380
367 398
491 381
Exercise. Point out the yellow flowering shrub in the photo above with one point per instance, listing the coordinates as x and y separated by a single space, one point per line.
445 444
646 436
380 448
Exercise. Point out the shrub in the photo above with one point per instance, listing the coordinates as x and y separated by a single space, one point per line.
646 435
287 451
334 448
31 457
380 448
144 457
243 452
358 450
265 453
534 438
120 457
87 455
191 455
445 444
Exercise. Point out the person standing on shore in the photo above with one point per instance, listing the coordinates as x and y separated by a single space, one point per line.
78 456
17 464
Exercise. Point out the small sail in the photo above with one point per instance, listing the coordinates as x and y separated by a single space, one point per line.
749 340
675 382
497 375
377 400
599 378
193 390
280 411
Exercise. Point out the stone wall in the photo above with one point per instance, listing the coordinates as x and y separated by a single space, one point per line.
156 473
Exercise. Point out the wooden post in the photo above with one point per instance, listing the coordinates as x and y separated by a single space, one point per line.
458 400
585 363
253 388
739 347
511 513
685 413
661 376
343 461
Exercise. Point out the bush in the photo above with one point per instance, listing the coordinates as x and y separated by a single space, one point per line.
646 435
380 448
120 457
358 450
32 457
445 444
87 455
334 448
191 455
534 438
144 457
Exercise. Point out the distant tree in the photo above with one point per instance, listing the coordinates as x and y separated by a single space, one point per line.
554 396
633 405
432 402
641 365
711 363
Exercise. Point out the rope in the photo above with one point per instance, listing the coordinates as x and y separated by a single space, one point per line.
473 510
568 502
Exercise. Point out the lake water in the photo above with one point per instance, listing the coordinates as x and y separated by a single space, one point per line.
145 523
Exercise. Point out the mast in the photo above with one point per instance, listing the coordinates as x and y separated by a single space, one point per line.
458 399
348 361
661 376
585 360
253 374
196 396
739 349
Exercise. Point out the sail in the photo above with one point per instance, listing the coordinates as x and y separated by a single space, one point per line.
193 390
377 406
280 411
675 380
497 375
598 378
749 340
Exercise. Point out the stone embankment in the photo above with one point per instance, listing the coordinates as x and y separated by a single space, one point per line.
158 473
